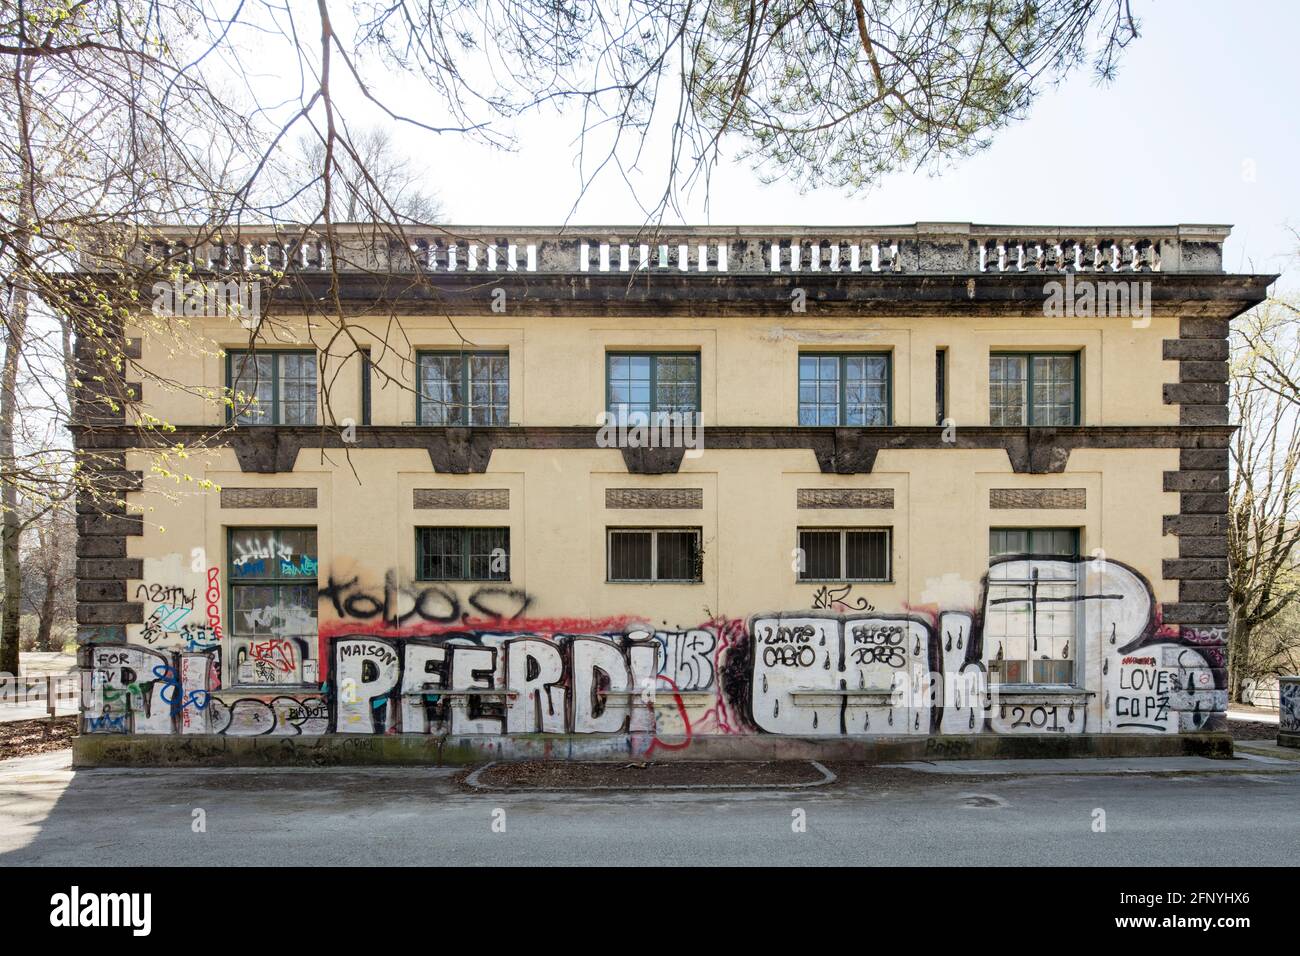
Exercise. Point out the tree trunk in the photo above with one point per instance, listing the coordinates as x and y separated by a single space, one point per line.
15 336
47 612
1239 633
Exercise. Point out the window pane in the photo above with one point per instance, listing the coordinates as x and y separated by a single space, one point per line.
866 554
297 389
1032 615
628 382
441 558
1054 388
676 556
1007 389
629 556
653 384
821 553
253 388
442 398
819 390
489 553
273 626
489 386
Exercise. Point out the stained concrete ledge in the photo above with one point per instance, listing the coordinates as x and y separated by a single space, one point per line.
1288 740
112 750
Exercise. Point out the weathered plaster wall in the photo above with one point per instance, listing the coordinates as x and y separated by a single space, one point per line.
750 650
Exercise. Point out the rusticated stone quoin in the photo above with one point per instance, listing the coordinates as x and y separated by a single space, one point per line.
1201 482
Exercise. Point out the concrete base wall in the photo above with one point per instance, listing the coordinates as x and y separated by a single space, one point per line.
105 750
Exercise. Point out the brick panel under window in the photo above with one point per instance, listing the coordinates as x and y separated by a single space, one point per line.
845 498
1044 498
268 497
667 498
465 499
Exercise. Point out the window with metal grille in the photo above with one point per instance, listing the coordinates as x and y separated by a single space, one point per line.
654 554
652 383
1034 388
271 387
272 633
1031 622
852 389
463 388
462 554
844 554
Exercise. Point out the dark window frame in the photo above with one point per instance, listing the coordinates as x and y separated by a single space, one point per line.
463 420
365 386
841 414
230 631
1076 658
654 532
843 531
276 354
466 553
940 386
1029 355
654 355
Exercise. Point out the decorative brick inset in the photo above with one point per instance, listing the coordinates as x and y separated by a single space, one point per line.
1047 498
680 499
268 497
844 498
464 499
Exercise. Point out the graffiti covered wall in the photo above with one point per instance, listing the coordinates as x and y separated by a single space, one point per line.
424 659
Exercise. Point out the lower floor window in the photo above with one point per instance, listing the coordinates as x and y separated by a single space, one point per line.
844 554
462 554
273 635
655 554
1031 626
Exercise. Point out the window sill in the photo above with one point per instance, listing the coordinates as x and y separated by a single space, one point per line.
844 580
687 583
1041 690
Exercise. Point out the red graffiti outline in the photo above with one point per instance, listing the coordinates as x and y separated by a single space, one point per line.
542 627
681 709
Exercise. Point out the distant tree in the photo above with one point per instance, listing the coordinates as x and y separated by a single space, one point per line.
360 187
50 567
1264 496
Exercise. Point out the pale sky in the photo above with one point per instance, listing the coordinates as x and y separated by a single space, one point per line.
1202 125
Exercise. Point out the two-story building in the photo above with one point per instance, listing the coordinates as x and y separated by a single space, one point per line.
693 492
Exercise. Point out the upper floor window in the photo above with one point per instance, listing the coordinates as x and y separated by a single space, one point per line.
1031 621
462 554
272 387
1034 388
656 383
844 554
463 388
851 389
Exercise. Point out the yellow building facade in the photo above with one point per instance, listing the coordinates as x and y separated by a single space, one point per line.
929 483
